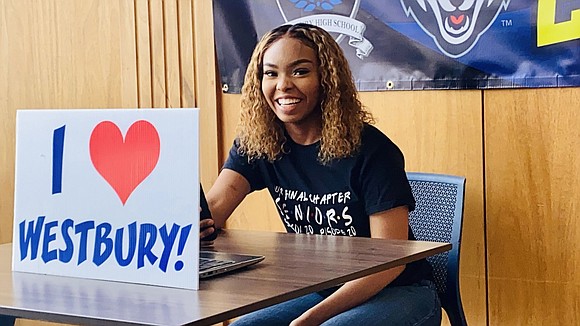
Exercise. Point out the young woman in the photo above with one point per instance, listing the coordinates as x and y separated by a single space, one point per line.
304 135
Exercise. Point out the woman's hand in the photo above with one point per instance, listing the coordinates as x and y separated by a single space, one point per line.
206 228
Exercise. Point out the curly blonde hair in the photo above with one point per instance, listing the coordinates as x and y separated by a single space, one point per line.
261 133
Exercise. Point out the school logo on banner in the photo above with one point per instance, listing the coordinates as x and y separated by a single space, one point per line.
108 194
335 16
455 26
420 44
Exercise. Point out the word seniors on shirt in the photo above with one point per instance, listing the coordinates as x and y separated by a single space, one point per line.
303 212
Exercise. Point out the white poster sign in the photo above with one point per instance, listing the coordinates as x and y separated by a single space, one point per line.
110 194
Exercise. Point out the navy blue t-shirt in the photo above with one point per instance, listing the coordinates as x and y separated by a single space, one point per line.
337 198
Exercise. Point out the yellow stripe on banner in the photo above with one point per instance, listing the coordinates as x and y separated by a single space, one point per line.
550 32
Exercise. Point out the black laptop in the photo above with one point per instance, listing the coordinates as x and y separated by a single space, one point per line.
212 263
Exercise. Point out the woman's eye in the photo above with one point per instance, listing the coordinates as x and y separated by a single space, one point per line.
300 72
270 73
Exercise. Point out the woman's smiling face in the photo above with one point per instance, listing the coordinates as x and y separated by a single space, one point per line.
291 83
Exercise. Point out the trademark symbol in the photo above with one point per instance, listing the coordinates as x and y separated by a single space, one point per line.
506 22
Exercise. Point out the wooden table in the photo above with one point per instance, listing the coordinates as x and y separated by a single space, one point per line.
295 265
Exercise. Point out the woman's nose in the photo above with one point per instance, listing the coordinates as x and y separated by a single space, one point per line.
283 84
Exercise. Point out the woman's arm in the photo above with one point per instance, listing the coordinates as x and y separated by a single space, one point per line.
390 224
226 194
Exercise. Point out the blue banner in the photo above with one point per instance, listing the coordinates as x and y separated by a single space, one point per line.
419 44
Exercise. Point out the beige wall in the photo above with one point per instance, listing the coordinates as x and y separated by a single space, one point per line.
517 148
103 54
532 143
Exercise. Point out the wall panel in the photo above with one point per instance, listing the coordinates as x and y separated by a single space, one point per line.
60 54
7 141
158 62
75 54
206 90
172 74
532 184
186 55
143 44
441 132
172 62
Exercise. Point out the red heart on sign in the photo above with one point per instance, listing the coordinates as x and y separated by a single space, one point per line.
124 164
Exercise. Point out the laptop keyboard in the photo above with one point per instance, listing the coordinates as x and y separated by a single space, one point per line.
206 263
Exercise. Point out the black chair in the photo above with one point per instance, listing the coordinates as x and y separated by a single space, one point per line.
7 320
438 216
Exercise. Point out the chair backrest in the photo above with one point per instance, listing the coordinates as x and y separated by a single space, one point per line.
7 320
438 216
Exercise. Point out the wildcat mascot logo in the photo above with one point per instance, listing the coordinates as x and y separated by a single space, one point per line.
335 16
454 25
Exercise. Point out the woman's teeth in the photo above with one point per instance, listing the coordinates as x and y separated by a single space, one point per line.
288 101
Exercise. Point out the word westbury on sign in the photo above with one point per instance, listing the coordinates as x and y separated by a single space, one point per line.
419 44
109 194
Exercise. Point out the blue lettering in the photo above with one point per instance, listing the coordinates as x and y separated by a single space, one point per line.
48 238
183 239
168 241
102 237
57 154
83 228
181 245
66 255
32 238
132 244
140 239
147 237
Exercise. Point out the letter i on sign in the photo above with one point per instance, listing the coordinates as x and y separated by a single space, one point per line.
57 156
